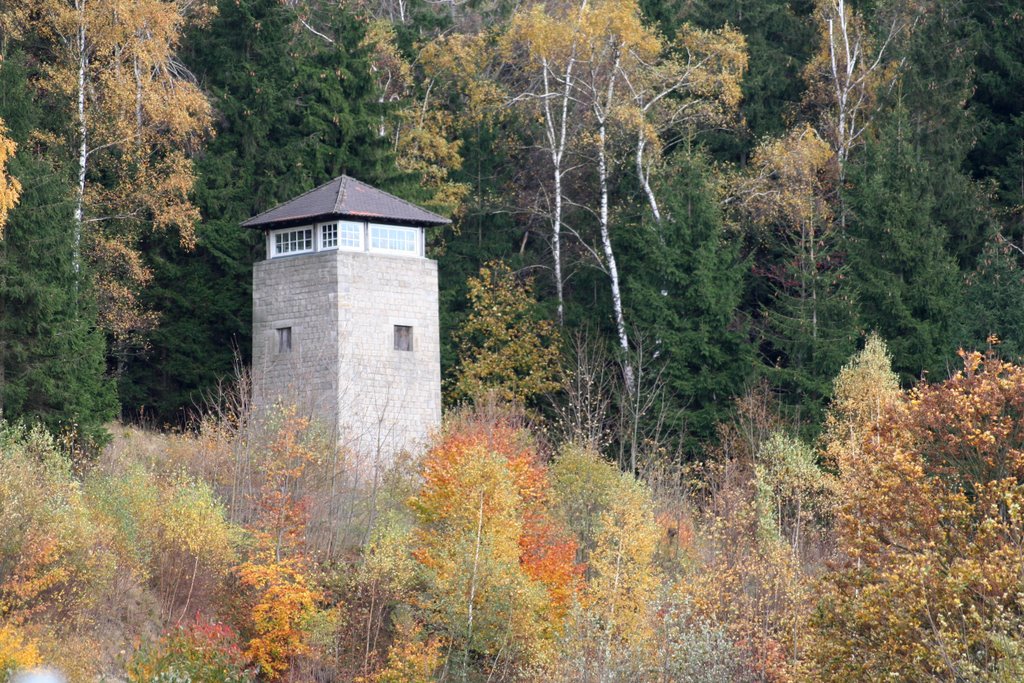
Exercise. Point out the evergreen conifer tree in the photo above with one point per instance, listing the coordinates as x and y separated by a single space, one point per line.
908 284
994 302
998 103
52 355
684 288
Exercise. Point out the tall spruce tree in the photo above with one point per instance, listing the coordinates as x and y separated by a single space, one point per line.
908 284
994 302
780 39
998 101
683 289
934 94
294 111
52 366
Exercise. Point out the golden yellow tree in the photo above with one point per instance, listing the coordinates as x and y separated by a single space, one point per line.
137 113
929 526
864 391
612 628
504 348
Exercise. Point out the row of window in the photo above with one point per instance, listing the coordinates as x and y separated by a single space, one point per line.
345 235
403 338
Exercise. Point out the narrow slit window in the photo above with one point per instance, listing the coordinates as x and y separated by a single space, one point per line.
284 339
403 338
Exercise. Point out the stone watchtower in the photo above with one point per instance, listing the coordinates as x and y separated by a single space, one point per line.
345 315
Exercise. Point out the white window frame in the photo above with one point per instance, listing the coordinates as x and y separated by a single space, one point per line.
273 235
359 227
320 229
417 238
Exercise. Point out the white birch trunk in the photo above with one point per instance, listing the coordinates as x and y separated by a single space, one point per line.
601 112
609 254
556 129
83 143
644 176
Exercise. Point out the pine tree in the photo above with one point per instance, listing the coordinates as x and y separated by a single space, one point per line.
684 290
52 365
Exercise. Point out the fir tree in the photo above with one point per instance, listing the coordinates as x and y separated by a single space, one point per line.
683 291
52 365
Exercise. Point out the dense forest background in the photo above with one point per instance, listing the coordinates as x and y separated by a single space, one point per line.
704 296
727 191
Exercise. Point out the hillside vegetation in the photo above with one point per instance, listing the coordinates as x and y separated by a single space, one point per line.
732 314
254 550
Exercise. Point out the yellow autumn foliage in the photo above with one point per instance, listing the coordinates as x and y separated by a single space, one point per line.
17 651
10 188
504 347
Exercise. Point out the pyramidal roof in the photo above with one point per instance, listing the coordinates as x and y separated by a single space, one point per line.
346 197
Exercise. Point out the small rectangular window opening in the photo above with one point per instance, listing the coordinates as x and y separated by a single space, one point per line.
284 339
403 338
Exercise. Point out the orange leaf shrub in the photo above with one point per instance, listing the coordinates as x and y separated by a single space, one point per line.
930 525
497 571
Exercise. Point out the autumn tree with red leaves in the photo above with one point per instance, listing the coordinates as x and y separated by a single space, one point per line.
497 572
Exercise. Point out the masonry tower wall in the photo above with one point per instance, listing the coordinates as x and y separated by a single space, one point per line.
343 367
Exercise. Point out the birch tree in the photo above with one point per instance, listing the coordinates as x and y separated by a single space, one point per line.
548 45
847 72
694 82
137 115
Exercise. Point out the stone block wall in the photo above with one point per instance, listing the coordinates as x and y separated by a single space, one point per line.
344 368
300 292
389 399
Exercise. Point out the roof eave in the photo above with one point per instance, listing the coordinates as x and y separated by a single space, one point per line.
256 224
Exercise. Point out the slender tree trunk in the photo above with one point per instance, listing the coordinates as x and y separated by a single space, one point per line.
610 625
644 177
472 580
83 139
137 72
556 129
601 112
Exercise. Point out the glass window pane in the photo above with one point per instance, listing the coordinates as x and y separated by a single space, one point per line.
393 238
351 235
